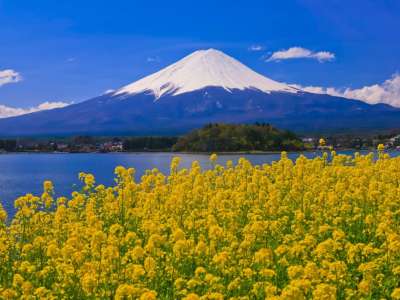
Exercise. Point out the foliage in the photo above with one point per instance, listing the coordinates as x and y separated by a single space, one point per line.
8 145
232 137
149 143
317 228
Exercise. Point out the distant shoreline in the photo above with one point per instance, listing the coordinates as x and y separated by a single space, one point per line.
191 153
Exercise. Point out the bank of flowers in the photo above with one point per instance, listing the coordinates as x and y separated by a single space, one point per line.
322 228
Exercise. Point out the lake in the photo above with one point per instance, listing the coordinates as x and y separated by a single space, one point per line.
22 173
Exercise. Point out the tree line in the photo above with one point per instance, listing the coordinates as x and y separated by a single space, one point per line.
8 145
215 137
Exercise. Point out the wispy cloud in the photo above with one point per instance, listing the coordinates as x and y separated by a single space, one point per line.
256 48
387 92
71 59
152 59
9 76
299 52
8 111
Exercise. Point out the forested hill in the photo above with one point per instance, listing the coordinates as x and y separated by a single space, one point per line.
232 137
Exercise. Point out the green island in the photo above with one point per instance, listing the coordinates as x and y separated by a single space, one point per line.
234 138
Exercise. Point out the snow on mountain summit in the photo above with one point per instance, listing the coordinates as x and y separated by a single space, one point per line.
203 68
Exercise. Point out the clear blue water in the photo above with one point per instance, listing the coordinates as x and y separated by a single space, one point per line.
24 173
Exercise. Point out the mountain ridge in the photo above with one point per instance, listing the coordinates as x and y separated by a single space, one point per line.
201 69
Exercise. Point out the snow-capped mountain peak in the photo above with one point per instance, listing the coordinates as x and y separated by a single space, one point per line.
203 68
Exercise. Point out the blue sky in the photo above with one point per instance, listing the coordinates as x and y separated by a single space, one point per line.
74 50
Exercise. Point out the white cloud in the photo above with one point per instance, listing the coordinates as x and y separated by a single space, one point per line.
387 92
7 111
299 52
256 48
52 105
319 90
108 91
9 76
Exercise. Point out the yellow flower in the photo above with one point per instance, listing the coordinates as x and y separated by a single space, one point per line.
178 235
27 288
8 294
395 294
364 287
119 171
136 272
3 214
324 291
234 284
263 256
191 296
137 253
150 295
214 296
18 280
295 272
52 250
247 272
221 258
89 282
150 266
126 291
89 180
179 283
48 186
200 271
192 283
213 158
42 292
268 273
201 248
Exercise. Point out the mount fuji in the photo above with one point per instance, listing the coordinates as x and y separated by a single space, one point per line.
205 86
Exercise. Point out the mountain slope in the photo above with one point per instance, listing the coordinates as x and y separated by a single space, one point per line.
207 86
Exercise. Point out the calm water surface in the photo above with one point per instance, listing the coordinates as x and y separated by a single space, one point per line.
24 173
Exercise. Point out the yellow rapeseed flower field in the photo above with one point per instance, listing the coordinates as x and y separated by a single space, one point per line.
322 228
